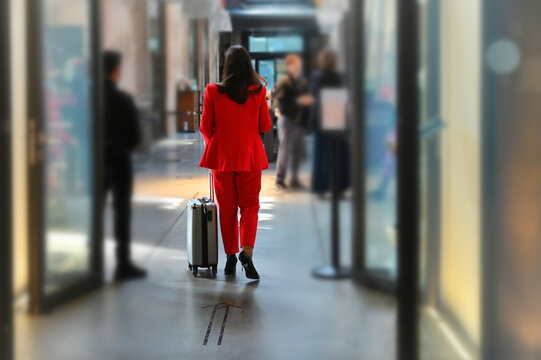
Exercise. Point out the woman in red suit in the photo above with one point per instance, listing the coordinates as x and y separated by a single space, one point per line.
235 112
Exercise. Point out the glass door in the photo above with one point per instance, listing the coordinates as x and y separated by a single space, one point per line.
64 194
380 139
268 71
270 68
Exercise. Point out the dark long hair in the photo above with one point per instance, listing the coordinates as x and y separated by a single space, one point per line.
239 75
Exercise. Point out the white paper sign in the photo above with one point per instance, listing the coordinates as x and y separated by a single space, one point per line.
333 109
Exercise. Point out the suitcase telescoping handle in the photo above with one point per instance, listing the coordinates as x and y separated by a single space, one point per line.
211 183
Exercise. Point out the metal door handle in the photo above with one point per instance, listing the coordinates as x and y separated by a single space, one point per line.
36 142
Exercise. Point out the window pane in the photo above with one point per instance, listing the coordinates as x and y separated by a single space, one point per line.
67 94
276 44
381 141
266 69
285 44
257 44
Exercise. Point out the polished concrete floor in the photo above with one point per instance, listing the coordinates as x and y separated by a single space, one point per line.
173 315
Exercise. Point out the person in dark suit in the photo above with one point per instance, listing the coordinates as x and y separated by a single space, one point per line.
327 76
291 100
121 137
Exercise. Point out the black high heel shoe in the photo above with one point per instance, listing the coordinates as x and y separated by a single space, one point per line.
231 265
248 265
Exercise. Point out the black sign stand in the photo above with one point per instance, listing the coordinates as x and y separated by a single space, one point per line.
335 270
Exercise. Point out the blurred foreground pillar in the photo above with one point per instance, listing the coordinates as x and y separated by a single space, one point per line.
6 274
512 180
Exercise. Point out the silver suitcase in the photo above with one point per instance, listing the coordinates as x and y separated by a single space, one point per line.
202 237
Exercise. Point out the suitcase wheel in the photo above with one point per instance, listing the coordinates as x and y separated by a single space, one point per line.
215 270
194 271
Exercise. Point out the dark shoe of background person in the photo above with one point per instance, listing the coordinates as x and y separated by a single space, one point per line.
296 185
321 195
230 265
129 271
280 185
248 265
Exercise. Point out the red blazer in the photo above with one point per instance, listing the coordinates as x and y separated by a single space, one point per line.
232 131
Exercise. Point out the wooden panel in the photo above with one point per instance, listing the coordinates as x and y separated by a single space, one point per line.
187 111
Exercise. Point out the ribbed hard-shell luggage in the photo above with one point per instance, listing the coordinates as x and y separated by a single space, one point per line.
202 237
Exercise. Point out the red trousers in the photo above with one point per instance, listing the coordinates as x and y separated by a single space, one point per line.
237 190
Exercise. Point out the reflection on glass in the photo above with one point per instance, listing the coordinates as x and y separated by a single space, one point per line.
450 177
68 153
381 141
266 69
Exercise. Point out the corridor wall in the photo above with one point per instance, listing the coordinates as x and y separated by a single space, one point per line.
125 29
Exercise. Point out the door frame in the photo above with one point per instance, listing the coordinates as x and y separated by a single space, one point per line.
6 240
39 301
432 138
408 178
408 181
